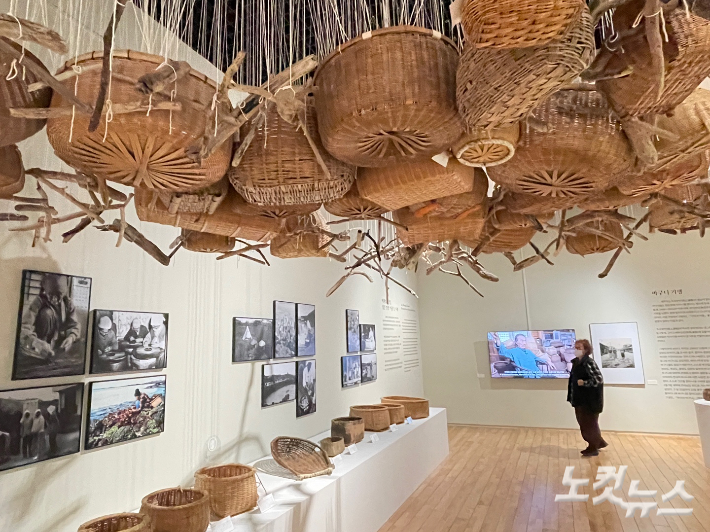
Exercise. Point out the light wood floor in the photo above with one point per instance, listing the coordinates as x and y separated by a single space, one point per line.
505 479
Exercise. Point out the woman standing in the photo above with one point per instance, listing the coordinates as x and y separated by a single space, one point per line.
585 392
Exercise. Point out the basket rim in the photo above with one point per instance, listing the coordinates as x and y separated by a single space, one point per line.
146 520
371 408
333 439
320 451
404 398
156 507
202 472
353 419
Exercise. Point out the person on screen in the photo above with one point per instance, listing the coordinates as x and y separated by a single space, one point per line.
521 356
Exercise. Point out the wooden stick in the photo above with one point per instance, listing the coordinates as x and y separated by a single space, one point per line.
35 208
133 235
12 217
540 254
83 224
62 76
314 148
261 254
617 253
166 75
231 71
84 181
248 248
21 30
117 109
248 138
458 273
55 221
558 241
85 208
652 24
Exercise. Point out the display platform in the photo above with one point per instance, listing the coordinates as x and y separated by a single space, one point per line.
702 411
365 489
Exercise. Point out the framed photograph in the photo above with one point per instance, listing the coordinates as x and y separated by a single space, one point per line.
368 367
352 327
252 339
284 329
38 424
617 351
125 409
278 383
51 325
306 330
306 388
128 341
367 337
351 374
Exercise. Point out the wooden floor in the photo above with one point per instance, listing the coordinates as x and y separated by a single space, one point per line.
505 479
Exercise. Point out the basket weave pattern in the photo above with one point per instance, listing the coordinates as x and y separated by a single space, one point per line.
203 201
332 446
125 522
293 244
414 407
432 228
177 510
302 457
207 242
350 429
663 177
610 200
485 148
353 205
510 240
231 488
376 417
587 244
396 413
12 172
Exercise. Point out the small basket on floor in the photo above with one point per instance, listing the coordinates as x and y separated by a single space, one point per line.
177 510
414 407
231 488
302 457
376 417
123 522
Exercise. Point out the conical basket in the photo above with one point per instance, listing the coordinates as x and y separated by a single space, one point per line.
299 238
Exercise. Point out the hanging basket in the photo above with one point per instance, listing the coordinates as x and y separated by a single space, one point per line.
414 407
503 218
376 417
396 413
497 88
12 172
537 205
584 243
666 216
206 242
508 240
203 201
355 207
388 96
140 149
300 238
125 522
301 457
690 121
231 488
668 175
350 429
485 148
177 510
610 200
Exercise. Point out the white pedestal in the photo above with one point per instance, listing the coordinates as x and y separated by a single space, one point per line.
702 411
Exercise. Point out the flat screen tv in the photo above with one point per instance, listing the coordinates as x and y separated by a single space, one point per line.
531 354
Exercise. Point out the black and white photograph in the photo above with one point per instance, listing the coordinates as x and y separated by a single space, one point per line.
306 330
278 383
352 327
38 424
253 339
617 353
52 325
128 341
351 370
368 365
367 337
284 329
306 388
617 350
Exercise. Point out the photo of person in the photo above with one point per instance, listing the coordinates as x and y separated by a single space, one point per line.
253 339
306 330
284 329
306 388
531 354
278 383
617 353
367 337
352 324
368 365
351 374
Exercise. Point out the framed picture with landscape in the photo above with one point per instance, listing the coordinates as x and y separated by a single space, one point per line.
278 383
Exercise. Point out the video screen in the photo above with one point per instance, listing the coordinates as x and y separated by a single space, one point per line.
531 354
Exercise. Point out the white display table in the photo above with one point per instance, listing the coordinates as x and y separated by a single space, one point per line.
365 489
702 411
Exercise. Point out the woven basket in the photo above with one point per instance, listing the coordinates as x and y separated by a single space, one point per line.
664 176
288 245
537 205
414 407
332 446
518 23
140 149
500 87
669 217
303 458
610 200
205 200
503 219
125 522
355 207
207 242
388 96
350 429
14 94
690 121
396 413
433 228
12 172
231 488
587 244
272 212
177 510
376 417
508 240
485 148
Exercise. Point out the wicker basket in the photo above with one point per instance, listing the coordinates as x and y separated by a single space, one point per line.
355 207
303 458
434 228
690 121
12 172
666 216
376 417
588 243
518 23
414 407
610 200
146 150
486 148
231 488
291 244
203 201
125 522
396 413
388 96
350 429
500 87
537 205
502 218
508 240
332 446
207 242
664 176
177 510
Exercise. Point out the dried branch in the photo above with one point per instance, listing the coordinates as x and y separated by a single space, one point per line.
157 81
133 235
85 208
11 217
84 181
617 253
83 224
242 251
21 30
43 113
458 273
55 221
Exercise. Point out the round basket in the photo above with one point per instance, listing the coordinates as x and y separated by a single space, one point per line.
297 239
414 407
12 172
177 510
396 413
125 522
350 429
302 457
14 94
435 228
537 205
203 201
583 243
206 242
500 87
376 417
355 207
673 173
231 488
272 212
690 121
665 216
332 446
388 96
502 218
518 23
610 200
141 149
485 148
508 240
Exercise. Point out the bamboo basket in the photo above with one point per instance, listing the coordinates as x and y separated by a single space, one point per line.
125 522
12 172
485 148
502 218
207 242
507 240
231 488
587 243
201 201
297 239
376 417
388 96
350 429
140 149
610 200
518 23
665 216
332 446
432 228
396 413
668 174
272 212
177 510
414 407
301 457
538 205
496 88
355 207
690 121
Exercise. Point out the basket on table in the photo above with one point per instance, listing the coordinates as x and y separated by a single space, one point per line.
586 243
12 171
353 206
376 417
350 429
388 96
300 237
396 413
414 407
124 522
206 242
231 488
177 510
332 446
666 216
141 149
301 457
667 174
485 148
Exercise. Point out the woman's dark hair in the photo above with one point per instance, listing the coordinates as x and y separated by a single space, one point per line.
137 393
586 346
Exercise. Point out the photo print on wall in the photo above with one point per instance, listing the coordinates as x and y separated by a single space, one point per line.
351 374
278 383
125 409
51 326
367 337
306 330
352 327
252 339
368 365
306 388
128 341
38 424
284 329
617 351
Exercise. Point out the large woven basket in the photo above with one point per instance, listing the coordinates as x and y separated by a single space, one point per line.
414 407
485 148
388 96
303 458
298 239
177 510
207 242
665 216
508 240
12 172
587 243
205 200
500 87
396 413
674 173
376 417
140 149
503 218
355 207
537 205
518 23
439 228
231 488
125 522
350 429
610 200
690 121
